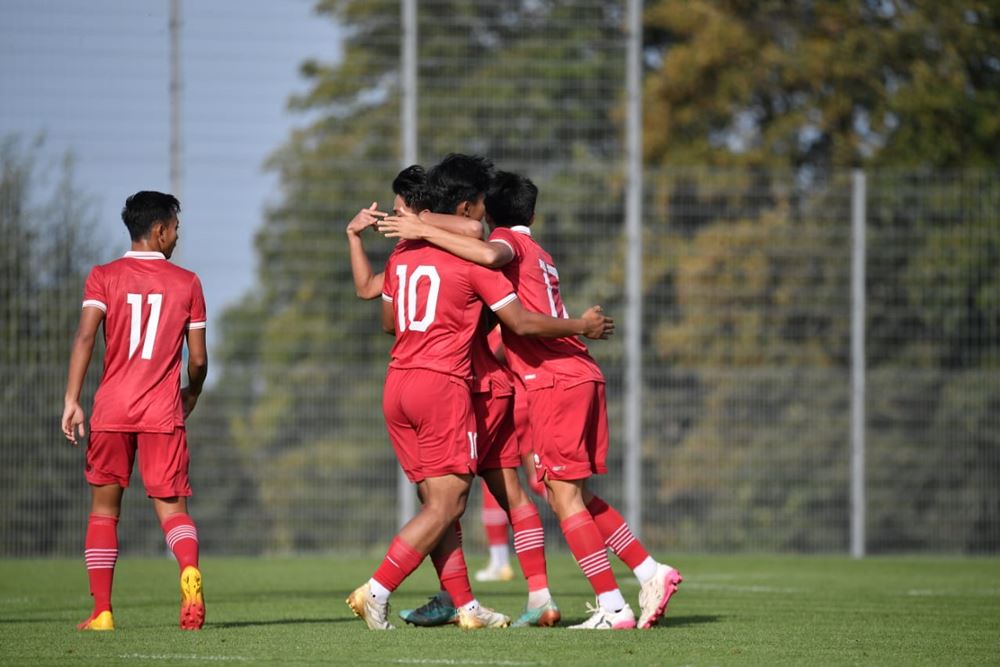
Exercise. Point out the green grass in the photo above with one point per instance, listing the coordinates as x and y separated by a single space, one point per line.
766 610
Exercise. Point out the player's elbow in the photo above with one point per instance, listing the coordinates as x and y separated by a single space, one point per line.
367 293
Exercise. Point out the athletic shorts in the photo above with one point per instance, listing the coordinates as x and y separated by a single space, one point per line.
495 423
430 422
163 461
522 423
569 425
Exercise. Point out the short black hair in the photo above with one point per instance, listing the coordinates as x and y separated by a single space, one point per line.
411 185
511 200
145 208
458 178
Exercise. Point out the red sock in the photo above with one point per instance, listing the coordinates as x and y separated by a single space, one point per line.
400 561
616 533
182 538
101 554
452 571
494 519
585 543
529 544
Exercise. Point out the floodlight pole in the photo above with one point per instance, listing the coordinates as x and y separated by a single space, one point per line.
406 500
176 149
633 271
858 255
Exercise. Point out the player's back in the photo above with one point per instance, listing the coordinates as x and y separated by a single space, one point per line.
536 281
437 301
149 306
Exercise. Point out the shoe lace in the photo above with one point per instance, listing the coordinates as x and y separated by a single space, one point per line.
592 609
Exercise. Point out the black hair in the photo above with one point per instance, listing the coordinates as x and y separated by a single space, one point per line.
511 200
459 178
145 208
411 185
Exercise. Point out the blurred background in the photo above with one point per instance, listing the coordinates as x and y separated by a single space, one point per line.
793 213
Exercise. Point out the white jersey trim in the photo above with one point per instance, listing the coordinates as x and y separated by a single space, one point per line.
386 297
520 229
503 302
505 242
94 303
144 254
196 325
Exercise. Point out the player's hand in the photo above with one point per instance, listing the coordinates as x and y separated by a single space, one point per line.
188 401
597 324
72 422
402 226
365 218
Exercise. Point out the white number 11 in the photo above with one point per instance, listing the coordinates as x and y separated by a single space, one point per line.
154 301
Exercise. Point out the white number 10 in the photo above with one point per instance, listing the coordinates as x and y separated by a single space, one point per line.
154 301
406 297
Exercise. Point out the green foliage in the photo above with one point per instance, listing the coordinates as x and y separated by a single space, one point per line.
46 224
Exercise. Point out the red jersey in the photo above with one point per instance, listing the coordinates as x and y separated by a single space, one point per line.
437 299
149 305
489 374
536 282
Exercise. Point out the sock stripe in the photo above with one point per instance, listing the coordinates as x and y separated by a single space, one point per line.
494 517
531 538
101 559
595 563
620 539
182 532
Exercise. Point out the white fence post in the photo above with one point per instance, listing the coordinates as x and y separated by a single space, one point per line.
858 254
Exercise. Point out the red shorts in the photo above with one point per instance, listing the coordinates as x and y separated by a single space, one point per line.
163 461
430 422
522 423
495 423
570 429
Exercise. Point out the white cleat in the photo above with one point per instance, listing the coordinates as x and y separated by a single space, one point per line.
602 619
503 573
481 617
374 614
656 593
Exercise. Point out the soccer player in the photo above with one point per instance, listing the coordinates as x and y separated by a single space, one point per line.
492 403
149 307
566 400
433 301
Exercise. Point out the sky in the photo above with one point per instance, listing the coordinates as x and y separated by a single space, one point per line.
93 78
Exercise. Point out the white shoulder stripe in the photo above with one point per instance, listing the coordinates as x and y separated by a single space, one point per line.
95 304
386 297
503 302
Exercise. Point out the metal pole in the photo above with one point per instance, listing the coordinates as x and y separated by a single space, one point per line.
176 150
406 496
633 272
858 253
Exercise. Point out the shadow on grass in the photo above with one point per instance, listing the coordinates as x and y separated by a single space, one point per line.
671 622
284 621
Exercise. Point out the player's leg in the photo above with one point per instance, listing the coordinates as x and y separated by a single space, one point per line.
101 553
657 581
529 545
163 462
110 456
571 447
444 502
495 526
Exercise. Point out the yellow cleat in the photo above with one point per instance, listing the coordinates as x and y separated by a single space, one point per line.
99 622
481 617
374 614
503 573
192 601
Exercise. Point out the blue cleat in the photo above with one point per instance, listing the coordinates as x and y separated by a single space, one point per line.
545 616
437 611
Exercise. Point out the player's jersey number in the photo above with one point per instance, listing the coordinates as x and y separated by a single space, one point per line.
551 278
154 301
407 305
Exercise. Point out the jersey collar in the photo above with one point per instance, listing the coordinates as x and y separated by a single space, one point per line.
521 229
144 254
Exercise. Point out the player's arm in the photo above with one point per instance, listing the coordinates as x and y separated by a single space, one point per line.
457 224
388 317
593 324
367 284
490 254
79 359
197 369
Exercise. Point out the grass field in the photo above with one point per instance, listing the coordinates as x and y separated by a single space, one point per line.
730 610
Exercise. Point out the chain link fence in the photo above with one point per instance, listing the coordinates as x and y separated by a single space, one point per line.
746 322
